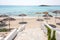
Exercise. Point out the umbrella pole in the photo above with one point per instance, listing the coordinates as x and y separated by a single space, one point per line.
55 18
38 16
22 19
47 17
9 24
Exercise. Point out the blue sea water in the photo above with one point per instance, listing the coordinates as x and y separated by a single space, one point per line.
28 10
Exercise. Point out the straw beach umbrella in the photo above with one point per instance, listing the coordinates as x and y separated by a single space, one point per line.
2 23
4 15
46 13
56 12
9 19
47 16
22 15
38 14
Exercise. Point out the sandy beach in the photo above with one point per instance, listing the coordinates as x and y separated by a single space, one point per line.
31 23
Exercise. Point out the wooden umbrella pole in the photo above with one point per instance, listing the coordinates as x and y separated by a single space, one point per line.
38 16
22 19
55 18
47 17
9 24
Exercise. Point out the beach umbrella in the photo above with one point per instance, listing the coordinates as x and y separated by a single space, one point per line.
39 13
47 18
22 15
10 18
2 23
46 14
4 15
56 12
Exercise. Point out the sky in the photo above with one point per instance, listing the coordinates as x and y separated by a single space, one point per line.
29 2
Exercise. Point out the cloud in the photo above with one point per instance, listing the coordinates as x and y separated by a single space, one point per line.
29 2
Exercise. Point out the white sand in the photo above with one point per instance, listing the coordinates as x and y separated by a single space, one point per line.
32 25
31 34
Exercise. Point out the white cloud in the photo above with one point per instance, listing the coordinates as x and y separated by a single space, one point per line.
29 2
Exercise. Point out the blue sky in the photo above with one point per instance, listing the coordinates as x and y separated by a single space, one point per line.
29 2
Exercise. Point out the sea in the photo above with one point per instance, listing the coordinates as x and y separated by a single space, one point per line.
28 10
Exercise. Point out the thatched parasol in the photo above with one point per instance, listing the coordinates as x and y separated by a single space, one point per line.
4 15
47 16
45 13
22 15
38 13
2 23
56 12
10 18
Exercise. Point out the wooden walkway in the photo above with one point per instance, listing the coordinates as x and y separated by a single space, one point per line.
32 32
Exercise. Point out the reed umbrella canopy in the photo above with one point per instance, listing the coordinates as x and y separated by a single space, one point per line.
56 12
38 12
45 13
4 15
22 15
2 23
39 15
46 16
10 18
